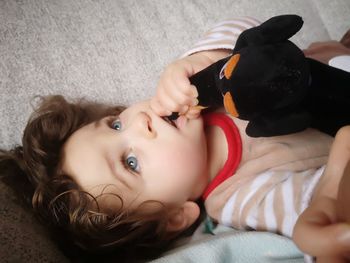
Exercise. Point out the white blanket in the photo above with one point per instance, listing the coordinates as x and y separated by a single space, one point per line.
228 245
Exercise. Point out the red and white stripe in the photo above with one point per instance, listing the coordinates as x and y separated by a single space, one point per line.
223 35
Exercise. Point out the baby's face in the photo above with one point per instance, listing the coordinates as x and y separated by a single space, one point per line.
139 156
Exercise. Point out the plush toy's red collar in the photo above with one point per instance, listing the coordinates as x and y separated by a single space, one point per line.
234 144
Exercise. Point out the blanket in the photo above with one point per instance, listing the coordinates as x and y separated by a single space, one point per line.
229 245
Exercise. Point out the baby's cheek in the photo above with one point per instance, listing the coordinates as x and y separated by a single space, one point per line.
172 159
191 162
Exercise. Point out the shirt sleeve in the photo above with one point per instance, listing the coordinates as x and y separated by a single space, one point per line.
223 35
340 62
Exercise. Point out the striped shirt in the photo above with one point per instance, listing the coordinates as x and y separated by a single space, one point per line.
223 35
272 201
273 183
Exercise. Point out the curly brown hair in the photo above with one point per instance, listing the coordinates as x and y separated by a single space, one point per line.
73 215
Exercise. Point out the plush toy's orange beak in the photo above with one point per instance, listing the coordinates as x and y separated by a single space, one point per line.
229 105
230 66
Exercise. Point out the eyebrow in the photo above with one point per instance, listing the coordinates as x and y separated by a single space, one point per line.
97 123
111 166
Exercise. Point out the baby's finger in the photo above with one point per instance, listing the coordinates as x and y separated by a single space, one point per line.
182 83
194 112
158 108
193 91
169 104
180 97
170 101
185 86
188 89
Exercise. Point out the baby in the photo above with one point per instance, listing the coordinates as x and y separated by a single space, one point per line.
127 180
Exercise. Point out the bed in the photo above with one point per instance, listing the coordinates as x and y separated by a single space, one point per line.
114 51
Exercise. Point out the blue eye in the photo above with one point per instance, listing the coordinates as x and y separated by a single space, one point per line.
132 163
117 125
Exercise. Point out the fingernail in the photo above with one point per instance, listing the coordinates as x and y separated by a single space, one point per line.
194 91
345 237
184 109
195 102
194 111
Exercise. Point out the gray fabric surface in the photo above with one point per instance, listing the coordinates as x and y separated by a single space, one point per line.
22 239
110 51
115 50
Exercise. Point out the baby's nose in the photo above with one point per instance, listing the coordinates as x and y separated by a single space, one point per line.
143 124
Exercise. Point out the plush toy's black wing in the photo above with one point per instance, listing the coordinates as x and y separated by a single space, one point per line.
278 123
274 30
328 98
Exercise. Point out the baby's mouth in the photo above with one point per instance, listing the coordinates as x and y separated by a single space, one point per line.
171 122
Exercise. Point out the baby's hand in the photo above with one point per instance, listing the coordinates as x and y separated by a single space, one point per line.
319 233
175 92
323 229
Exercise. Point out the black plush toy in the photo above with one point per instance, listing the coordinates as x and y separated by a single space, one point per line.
269 82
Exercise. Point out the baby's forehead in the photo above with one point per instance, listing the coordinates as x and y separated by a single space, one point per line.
139 106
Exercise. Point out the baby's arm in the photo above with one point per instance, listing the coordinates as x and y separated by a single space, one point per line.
333 53
325 51
175 92
323 229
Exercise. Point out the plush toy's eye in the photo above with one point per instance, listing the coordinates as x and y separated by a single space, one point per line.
222 71
229 67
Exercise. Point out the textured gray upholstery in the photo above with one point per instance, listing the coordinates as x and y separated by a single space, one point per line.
110 51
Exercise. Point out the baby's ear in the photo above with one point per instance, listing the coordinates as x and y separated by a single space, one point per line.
183 217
